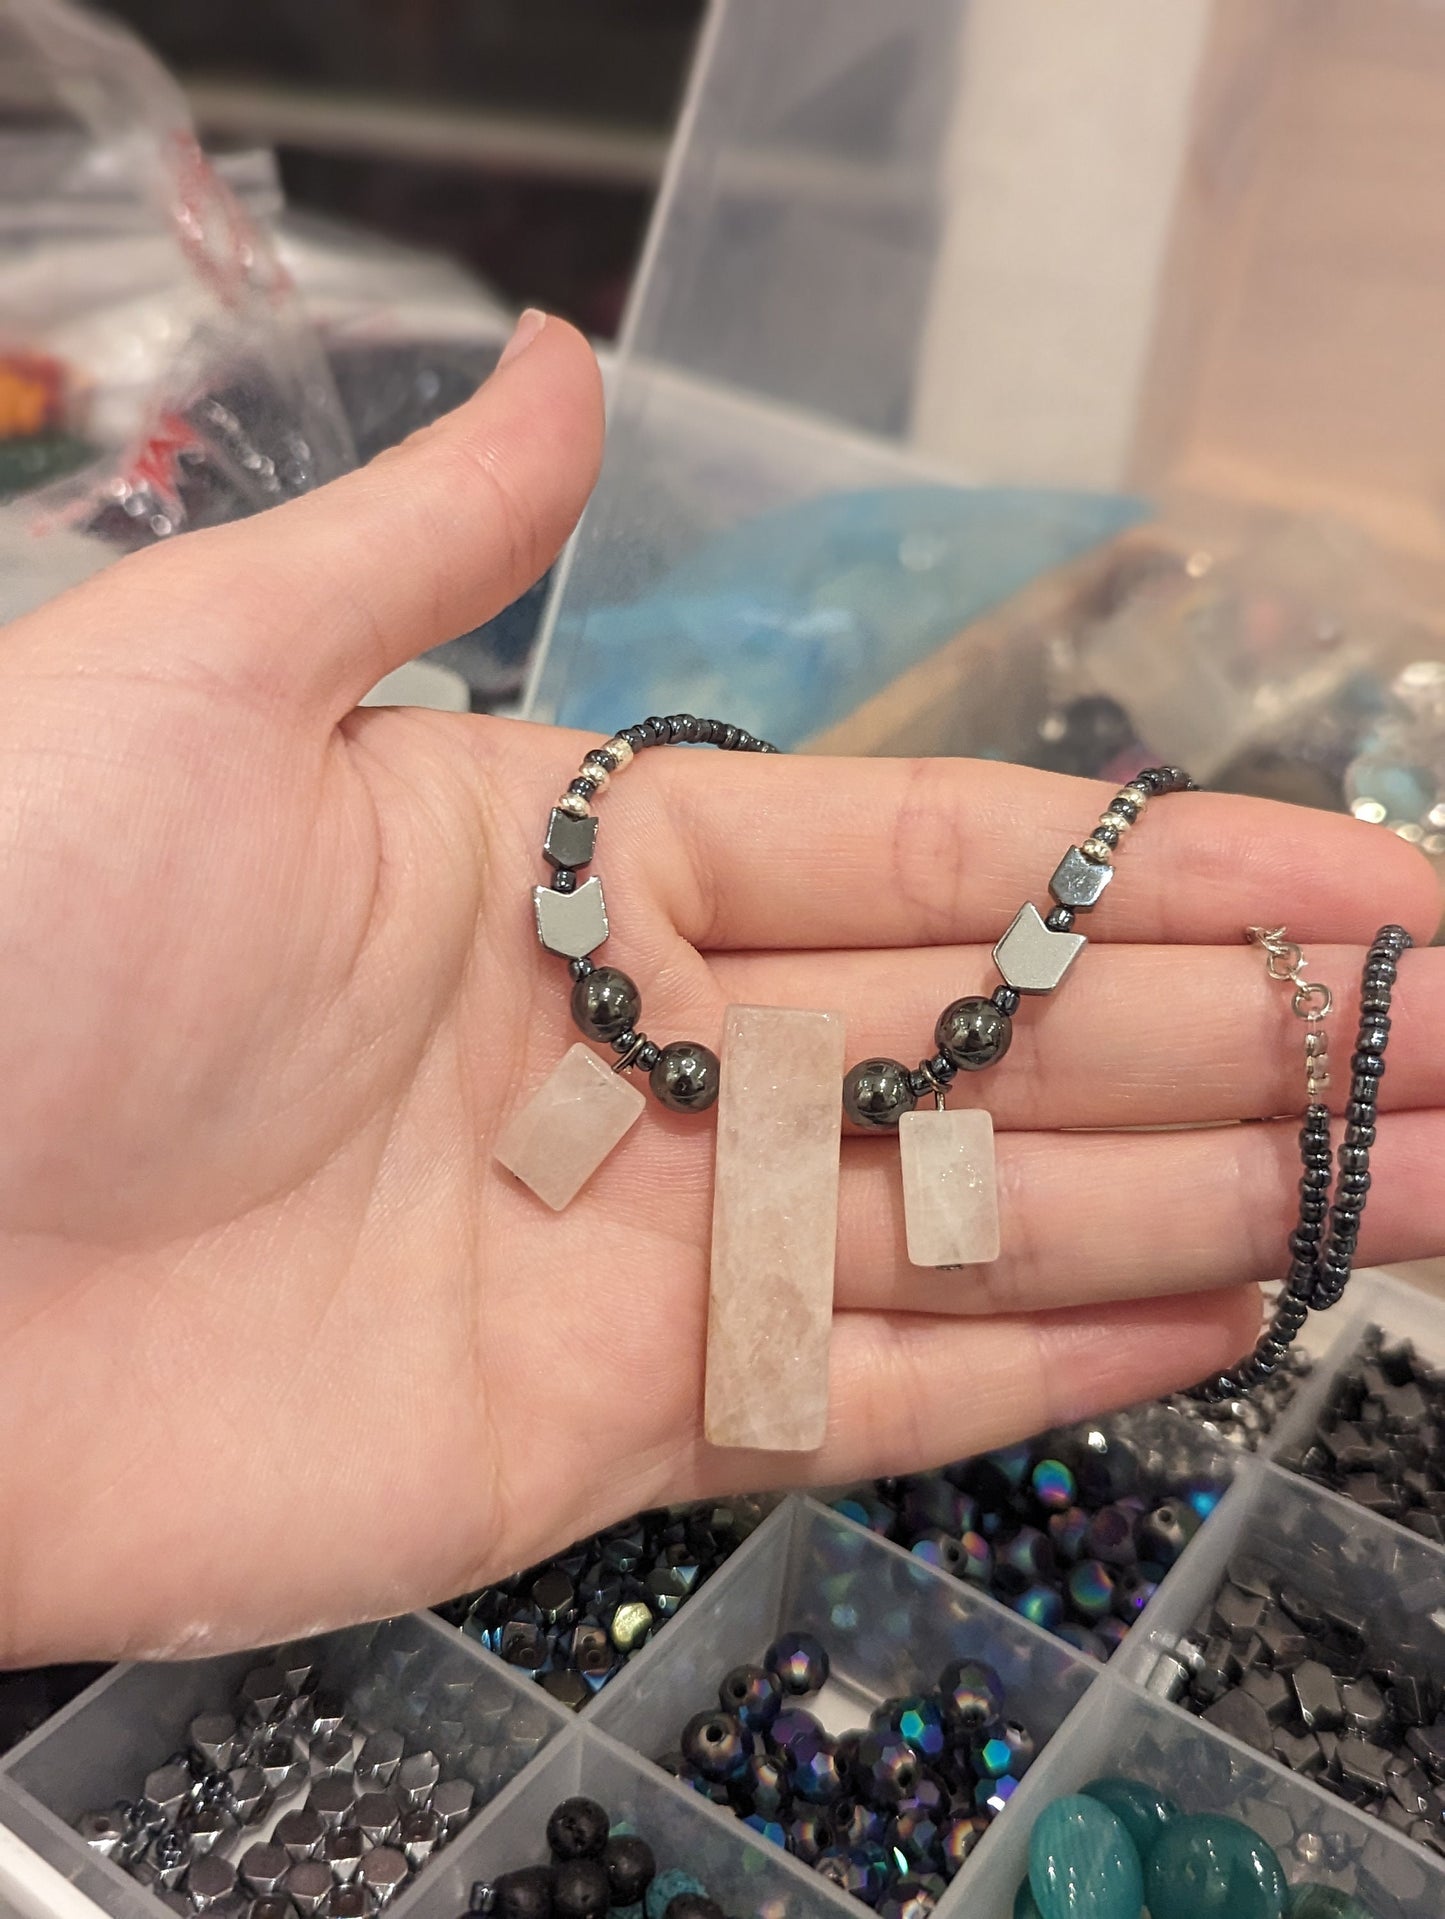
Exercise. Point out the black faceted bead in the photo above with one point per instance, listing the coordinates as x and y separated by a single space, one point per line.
686 1077
605 1003
973 1033
525 1894
580 1890
877 1093
753 1695
577 1829
716 1745
799 1663
630 1867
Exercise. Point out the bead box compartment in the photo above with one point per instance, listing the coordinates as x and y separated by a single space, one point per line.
888 1620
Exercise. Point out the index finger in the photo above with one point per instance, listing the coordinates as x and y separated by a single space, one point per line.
801 852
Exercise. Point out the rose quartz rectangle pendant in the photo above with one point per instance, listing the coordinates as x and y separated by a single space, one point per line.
774 1229
556 1142
950 1190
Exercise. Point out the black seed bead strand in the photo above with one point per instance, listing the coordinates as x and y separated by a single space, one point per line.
1319 1275
683 1076
974 1033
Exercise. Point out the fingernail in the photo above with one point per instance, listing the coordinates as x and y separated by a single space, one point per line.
529 325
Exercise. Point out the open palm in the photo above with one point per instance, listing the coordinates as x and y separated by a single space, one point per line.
280 1346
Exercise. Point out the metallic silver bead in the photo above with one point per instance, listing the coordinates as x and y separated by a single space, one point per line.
598 775
331 1798
420 1835
102 1832
417 1777
574 804
279 1763
381 1753
332 1752
298 1672
210 1882
345 1902
452 1802
249 1793
621 751
1032 957
307 1884
1116 820
300 1832
1096 851
343 1852
213 1738
264 1694
1135 793
167 1789
263 1867
384 1872
571 925
207 1827
272 1906
377 1815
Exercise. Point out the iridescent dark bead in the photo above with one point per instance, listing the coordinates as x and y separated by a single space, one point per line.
798 1662
907 1899
686 1077
917 1833
861 1870
810 1832
716 1745
1041 1605
877 1093
753 1695
577 1829
1008 1748
1026 1559
857 1823
917 1721
935 1501
1132 1592
1163 1534
1090 1589
887 1770
580 1890
792 1724
1111 1536
975 1559
958 1839
972 1697
1053 1485
605 1003
768 1825
813 1770
973 1033
1068 1532
630 1867
763 1786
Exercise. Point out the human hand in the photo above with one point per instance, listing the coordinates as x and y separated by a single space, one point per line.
281 1347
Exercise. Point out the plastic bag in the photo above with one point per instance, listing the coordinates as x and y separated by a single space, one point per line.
157 371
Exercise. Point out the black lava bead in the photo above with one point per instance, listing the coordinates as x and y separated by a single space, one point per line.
577 1830
630 1866
686 1077
877 1093
693 1905
580 1890
526 1894
973 1033
606 1003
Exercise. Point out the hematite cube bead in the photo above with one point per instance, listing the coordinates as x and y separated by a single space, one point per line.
1078 882
569 841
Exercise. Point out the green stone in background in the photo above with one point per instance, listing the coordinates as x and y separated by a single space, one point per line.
1144 1812
1025 1904
1209 1867
1327 1902
1083 1864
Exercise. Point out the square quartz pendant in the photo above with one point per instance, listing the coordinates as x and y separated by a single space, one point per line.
556 1142
950 1189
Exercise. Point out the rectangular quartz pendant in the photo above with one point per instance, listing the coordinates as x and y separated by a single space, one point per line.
774 1229
556 1142
950 1192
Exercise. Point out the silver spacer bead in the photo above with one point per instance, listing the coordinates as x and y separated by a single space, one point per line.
1097 853
1116 820
621 751
574 806
1136 794
598 775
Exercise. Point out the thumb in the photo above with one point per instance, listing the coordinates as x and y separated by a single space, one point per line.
309 604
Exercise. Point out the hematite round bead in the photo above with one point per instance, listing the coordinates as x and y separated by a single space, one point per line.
686 1077
605 1003
877 1093
973 1033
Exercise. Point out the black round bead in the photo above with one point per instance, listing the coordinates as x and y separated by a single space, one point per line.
753 1695
648 1056
1060 920
630 1866
941 1067
1007 999
581 968
564 880
525 1894
693 1905
877 1093
1367 1065
686 1077
1373 1035
577 1829
1126 808
973 1033
625 1041
605 1003
584 789
580 1890
1106 835
599 756
716 1745
1361 1112
1361 1136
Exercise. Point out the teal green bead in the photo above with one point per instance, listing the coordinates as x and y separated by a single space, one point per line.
1025 1904
1208 1867
1083 1864
1327 1902
1144 1811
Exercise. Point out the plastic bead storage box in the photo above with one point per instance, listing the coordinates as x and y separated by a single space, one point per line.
891 1623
